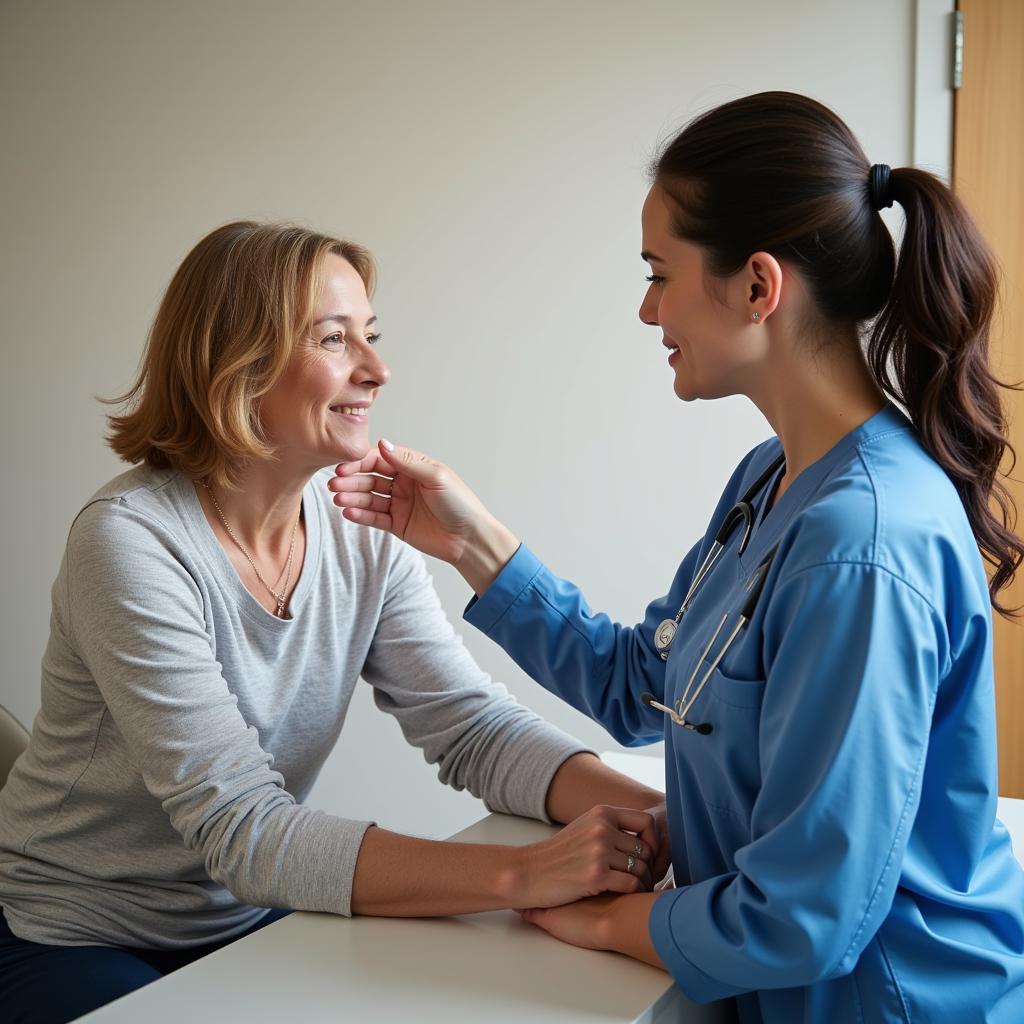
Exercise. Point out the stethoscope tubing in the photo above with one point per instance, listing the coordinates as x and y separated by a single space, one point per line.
742 510
665 634
755 586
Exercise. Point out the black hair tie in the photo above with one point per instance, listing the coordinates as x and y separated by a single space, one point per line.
878 186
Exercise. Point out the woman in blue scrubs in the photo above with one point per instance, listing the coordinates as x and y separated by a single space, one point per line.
826 692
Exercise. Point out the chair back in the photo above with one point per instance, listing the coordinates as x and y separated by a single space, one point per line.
13 740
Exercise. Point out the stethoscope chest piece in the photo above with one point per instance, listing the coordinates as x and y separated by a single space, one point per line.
679 714
663 637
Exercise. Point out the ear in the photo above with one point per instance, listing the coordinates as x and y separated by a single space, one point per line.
761 277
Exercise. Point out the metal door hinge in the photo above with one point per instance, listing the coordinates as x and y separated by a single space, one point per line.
958 49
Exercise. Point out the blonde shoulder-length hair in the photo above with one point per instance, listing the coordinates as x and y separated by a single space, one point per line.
223 335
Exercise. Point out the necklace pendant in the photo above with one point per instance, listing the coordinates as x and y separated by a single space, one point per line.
287 573
663 637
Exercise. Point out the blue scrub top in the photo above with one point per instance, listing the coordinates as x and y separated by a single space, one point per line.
834 839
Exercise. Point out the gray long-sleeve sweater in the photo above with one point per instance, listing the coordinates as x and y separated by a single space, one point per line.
160 802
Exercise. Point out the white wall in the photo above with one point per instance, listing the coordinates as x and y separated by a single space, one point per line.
491 155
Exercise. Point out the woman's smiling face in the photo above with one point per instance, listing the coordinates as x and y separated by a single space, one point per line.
706 335
317 413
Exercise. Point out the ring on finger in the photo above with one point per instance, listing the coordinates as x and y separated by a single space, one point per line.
630 861
639 848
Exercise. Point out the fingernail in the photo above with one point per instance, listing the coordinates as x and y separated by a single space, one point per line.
387 444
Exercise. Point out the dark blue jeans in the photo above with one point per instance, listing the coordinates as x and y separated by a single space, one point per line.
41 984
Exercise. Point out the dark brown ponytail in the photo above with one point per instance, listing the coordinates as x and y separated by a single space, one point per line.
781 173
929 349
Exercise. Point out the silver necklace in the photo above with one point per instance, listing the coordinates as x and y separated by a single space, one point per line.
282 596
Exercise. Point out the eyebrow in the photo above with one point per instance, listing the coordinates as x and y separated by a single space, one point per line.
648 257
342 318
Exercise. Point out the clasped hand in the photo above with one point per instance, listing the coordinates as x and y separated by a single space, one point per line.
607 849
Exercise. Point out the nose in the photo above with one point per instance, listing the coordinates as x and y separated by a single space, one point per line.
649 309
371 371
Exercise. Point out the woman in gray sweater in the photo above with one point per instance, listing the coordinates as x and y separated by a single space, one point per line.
210 619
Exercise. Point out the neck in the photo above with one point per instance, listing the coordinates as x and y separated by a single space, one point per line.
262 509
814 399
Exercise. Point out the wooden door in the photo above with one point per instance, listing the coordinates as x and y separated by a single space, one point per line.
988 174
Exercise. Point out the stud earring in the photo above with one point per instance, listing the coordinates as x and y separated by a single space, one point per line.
755 317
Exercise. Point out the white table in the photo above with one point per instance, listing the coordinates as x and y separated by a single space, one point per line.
493 967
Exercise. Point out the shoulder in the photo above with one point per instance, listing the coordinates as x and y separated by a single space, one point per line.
134 544
887 503
140 503
139 484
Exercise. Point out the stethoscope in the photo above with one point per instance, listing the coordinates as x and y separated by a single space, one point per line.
743 511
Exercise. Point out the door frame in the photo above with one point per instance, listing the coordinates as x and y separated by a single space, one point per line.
932 93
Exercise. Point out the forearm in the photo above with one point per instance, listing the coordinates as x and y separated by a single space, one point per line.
584 781
624 928
486 553
401 876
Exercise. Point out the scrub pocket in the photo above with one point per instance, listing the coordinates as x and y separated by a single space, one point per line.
726 761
